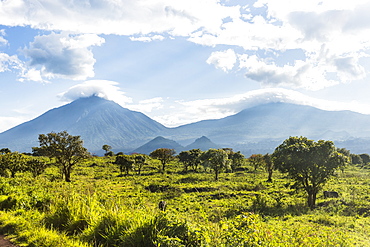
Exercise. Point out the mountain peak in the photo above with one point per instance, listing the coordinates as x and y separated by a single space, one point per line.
203 143
97 120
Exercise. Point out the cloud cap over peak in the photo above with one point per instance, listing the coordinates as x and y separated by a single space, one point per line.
101 88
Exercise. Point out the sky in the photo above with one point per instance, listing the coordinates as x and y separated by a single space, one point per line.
181 61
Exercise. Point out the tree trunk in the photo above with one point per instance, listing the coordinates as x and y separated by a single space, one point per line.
163 166
67 174
216 175
269 179
311 199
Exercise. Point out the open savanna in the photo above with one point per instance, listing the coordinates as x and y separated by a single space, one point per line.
102 207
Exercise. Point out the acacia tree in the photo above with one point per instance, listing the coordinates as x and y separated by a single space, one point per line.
66 149
311 164
165 155
216 159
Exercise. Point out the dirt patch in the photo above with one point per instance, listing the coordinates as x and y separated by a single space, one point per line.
5 242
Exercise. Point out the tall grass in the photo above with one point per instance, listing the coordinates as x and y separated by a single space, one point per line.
238 210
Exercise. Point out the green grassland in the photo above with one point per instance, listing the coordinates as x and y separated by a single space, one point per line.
102 207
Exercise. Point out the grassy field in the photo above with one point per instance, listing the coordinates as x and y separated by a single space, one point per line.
102 207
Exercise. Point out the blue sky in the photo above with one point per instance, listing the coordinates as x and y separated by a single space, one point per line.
180 61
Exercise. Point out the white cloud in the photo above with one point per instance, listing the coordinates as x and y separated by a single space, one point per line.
332 35
63 55
147 38
8 63
148 105
224 60
102 88
122 17
3 41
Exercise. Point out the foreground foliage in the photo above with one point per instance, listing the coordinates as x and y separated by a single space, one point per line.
102 207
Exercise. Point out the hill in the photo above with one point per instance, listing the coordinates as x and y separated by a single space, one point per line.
158 142
202 143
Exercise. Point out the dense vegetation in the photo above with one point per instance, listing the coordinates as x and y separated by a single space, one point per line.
113 201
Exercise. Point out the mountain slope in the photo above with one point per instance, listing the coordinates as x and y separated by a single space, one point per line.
277 121
96 120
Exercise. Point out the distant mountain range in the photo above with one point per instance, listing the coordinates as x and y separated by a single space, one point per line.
254 130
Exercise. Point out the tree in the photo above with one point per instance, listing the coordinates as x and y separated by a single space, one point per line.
66 149
365 158
216 159
5 151
14 162
356 159
311 164
36 166
269 166
125 163
236 158
190 158
256 160
139 160
107 150
165 155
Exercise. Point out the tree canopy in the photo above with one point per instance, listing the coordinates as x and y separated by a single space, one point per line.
165 155
216 159
66 149
309 163
190 158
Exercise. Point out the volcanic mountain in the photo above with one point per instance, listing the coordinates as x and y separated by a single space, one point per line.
261 128
254 130
98 121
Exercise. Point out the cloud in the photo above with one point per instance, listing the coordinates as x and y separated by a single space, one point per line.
122 17
309 74
147 38
9 63
148 105
332 35
224 60
101 88
63 55
3 41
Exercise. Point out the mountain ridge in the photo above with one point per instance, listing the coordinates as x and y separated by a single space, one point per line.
256 129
